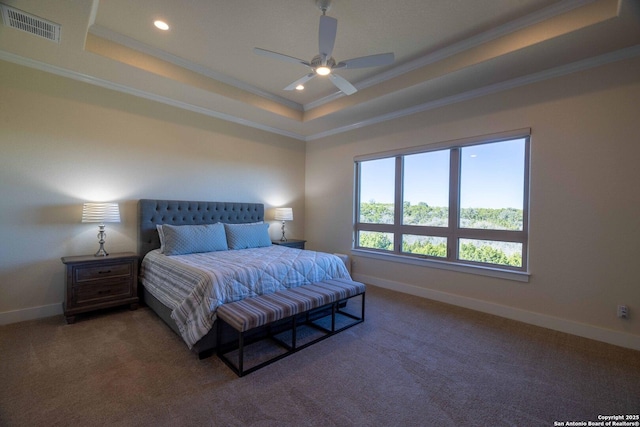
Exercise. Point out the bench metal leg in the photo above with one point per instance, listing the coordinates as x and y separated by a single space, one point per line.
334 308
294 333
241 353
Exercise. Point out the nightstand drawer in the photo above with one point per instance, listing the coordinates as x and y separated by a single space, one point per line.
91 294
94 283
85 274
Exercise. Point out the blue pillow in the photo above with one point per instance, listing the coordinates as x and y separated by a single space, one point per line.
189 239
244 236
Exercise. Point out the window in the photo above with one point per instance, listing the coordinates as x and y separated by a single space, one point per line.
461 202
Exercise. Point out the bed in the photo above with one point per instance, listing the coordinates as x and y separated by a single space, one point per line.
222 254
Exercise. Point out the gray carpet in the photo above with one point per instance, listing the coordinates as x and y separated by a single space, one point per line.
414 362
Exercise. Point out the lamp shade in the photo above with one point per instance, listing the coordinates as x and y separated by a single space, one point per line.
100 212
284 214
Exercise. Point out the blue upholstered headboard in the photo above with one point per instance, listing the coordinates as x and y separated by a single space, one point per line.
181 212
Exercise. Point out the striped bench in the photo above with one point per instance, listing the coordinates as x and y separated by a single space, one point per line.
294 306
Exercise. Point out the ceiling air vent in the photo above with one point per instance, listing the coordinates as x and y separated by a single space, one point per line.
20 20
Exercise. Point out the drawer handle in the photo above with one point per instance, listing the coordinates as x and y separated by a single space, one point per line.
104 272
107 291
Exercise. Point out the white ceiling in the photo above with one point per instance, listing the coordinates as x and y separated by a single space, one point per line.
221 35
445 50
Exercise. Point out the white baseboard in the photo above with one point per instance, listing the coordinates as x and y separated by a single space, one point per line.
621 339
31 313
563 325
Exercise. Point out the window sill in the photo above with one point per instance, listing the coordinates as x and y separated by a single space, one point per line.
462 268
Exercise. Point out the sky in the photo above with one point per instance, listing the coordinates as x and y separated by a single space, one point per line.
491 177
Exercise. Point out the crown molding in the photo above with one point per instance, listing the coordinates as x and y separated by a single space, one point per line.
123 40
63 72
582 65
573 67
471 42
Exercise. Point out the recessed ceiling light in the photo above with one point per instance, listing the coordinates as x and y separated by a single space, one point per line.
161 25
299 87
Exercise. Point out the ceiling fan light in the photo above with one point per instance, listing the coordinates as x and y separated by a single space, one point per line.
323 71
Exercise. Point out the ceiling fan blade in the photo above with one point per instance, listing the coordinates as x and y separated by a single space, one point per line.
300 81
327 37
367 61
280 56
342 84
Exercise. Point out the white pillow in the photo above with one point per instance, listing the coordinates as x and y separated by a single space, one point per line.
161 236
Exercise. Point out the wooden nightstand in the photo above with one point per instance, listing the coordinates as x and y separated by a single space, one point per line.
290 243
100 282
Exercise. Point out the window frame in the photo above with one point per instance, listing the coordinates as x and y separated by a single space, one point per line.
452 232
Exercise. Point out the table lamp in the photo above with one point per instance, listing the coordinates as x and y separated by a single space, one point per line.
101 213
284 214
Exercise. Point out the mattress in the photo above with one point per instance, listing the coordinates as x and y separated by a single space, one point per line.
194 285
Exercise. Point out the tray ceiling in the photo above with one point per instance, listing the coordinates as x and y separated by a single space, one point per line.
445 52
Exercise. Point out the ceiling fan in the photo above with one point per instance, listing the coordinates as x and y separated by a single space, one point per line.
324 64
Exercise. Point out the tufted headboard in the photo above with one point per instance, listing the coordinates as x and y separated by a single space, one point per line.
180 212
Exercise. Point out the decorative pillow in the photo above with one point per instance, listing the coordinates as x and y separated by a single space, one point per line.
161 236
189 239
243 236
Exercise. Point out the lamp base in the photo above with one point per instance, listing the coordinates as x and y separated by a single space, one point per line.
283 239
101 252
101 236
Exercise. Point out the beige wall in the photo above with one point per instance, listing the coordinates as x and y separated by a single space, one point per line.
64 142
585 201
